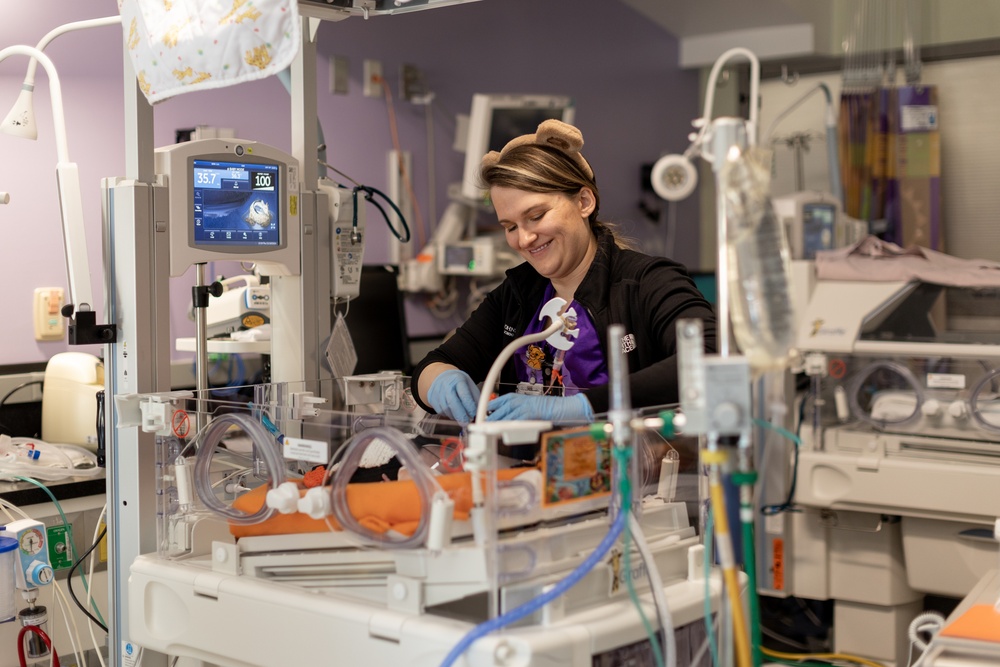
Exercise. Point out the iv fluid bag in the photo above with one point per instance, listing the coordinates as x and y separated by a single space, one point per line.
759 274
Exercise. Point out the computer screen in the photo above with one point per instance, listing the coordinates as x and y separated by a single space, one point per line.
235 203
819 228
496 119
231 199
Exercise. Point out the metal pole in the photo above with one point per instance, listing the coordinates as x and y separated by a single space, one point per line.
726 133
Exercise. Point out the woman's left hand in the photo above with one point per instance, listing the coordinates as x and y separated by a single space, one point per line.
557 409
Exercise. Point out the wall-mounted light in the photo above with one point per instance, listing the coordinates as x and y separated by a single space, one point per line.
68 178
20 121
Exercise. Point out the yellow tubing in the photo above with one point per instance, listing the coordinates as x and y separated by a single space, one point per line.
742 639
820 656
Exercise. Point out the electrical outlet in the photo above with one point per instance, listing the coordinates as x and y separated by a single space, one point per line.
48 317
372 78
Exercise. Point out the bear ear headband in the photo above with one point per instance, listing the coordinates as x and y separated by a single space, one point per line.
555 133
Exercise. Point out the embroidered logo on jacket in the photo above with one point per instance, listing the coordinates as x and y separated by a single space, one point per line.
509 331
628 343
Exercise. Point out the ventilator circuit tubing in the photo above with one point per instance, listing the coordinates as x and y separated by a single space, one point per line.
427 486
974 410
264 445
853 388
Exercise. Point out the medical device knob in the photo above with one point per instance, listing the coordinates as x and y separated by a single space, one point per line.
931 408
727 416
285 498
958 410
316 503
38 574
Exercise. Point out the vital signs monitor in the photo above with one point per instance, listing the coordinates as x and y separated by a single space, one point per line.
496 119
231 200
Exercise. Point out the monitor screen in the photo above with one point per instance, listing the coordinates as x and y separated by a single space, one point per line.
459 256
818 228
510 123
496 119
236 203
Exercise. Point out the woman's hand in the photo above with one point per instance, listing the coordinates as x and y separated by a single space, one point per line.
556 409
455 395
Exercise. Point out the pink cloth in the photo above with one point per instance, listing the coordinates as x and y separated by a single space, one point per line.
873 259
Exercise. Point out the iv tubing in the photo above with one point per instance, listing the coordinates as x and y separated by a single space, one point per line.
656 587
44 471
264 444
714 458
537 603
505 354
707 598
90 597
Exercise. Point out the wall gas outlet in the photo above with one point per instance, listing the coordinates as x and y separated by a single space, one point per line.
60 548
372 78
49 323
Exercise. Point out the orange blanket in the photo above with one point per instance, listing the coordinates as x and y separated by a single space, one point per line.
379 506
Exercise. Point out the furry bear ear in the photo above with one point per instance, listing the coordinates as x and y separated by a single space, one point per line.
552 132
559 135
490 159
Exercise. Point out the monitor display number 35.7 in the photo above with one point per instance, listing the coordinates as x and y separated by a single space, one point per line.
235 204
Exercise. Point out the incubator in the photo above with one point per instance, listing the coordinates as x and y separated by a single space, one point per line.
406 531
901 452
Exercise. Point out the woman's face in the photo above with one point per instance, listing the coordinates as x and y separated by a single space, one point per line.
549 230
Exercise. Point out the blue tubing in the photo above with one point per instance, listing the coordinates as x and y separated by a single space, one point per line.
531 606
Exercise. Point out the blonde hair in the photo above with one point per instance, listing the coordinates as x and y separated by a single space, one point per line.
541 168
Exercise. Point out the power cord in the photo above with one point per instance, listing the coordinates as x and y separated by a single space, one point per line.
69 580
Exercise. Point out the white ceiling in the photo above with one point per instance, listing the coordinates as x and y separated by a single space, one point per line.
688 18
769 28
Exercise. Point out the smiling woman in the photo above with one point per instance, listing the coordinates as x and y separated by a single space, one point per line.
547 201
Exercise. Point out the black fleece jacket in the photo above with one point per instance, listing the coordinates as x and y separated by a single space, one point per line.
645 294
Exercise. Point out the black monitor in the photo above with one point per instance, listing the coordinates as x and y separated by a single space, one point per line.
377 322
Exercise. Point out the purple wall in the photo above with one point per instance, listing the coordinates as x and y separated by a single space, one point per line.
633 104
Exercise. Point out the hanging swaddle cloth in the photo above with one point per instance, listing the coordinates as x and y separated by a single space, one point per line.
179 46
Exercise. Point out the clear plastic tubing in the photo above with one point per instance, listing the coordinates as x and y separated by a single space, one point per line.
427 487
264 446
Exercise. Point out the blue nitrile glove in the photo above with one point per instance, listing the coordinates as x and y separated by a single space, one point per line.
556 409
455 395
